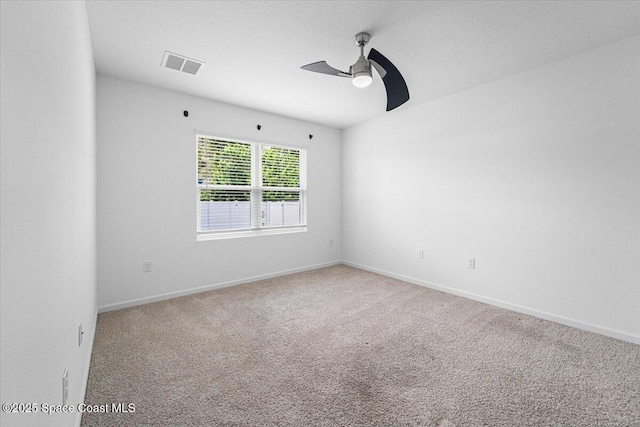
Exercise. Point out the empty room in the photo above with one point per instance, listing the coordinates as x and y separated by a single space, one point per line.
320 213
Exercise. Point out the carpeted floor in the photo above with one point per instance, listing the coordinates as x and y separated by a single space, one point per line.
343 347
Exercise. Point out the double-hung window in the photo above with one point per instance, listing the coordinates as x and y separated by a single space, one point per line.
247 188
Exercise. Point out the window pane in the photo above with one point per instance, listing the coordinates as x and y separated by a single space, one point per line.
280 208
224 210
223 162
280 167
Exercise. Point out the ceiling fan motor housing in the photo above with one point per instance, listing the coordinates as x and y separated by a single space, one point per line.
361 72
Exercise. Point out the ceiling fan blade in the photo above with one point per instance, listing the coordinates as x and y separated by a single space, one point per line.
397 91
324 68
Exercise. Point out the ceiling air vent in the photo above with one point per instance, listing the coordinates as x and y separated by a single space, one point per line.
181 63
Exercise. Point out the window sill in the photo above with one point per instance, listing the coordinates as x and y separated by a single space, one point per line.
221 235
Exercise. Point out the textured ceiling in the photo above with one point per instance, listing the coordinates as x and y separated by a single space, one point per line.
253 50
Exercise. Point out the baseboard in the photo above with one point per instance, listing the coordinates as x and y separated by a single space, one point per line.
609 332
169 295
85 380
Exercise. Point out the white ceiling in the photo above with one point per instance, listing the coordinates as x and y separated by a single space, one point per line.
253 50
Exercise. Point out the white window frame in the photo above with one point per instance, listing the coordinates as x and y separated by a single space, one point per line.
256 188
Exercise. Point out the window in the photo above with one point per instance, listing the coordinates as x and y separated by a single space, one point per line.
249 189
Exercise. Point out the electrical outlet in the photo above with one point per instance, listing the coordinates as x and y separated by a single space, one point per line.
65 386
471 262
80 334
420 254
146 266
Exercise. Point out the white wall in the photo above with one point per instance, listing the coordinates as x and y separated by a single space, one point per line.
536 175
147 195
48 225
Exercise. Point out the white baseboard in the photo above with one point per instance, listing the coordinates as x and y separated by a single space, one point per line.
609 332
85 380
169 295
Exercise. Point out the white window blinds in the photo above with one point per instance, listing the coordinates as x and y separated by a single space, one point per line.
223 162
248 186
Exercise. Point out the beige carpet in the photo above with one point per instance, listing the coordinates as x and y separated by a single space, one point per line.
343 347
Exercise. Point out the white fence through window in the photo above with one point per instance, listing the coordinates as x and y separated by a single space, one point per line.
237 215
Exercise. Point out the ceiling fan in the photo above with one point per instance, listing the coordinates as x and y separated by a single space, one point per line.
360 72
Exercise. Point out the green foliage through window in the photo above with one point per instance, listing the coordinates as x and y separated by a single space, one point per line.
280 168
